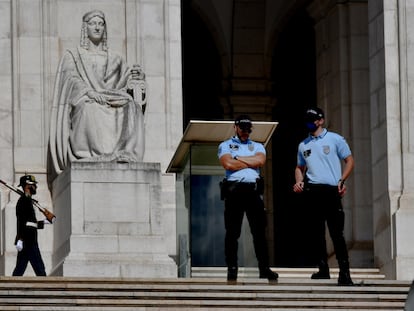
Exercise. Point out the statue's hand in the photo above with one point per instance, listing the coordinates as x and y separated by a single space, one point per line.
99 98
137 73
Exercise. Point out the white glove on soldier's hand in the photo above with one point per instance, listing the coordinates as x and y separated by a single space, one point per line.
19 245
47 222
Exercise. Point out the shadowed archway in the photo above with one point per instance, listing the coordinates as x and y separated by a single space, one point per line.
293 74
294 78
201 69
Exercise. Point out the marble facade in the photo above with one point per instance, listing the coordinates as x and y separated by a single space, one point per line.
33 37
364 80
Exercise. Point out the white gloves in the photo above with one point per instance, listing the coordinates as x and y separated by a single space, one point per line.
19 245
46 222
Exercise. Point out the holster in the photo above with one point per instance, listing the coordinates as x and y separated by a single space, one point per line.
226 187
260 185
223 188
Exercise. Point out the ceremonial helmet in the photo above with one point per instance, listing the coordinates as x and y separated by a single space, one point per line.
27 180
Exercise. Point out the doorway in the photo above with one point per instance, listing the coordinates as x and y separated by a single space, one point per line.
294 77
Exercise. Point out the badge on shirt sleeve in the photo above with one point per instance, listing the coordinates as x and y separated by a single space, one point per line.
326 149
307 153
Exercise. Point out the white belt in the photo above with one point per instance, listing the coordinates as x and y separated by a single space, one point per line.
31 224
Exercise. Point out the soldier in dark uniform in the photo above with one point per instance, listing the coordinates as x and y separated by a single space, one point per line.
27 225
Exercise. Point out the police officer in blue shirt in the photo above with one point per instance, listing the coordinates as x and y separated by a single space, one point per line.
320 178
242 191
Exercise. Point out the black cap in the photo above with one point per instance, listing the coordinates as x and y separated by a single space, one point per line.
313 114
27 180
243 121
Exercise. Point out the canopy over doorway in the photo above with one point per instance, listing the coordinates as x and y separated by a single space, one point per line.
200 227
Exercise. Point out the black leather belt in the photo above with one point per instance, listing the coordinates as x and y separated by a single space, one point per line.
245 185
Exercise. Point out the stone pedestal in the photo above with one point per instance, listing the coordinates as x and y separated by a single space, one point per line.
109 221
403 220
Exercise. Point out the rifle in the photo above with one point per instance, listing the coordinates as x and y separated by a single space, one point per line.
48 214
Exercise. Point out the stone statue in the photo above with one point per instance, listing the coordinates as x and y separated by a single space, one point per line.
98 103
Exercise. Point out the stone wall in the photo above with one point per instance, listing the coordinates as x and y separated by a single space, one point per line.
33 36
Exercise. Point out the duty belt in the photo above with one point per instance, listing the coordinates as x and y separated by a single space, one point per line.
245 184
31 224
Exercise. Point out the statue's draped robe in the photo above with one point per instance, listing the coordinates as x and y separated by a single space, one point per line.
81 127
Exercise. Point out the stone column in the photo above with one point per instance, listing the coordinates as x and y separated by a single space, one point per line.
342 92
392 106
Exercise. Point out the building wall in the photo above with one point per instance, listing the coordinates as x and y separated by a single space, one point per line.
364 61
34 35
343 80
391 71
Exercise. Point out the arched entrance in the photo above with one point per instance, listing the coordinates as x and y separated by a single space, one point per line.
293 76
201 69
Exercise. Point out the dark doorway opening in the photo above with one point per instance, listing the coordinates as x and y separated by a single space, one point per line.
294 76
201 69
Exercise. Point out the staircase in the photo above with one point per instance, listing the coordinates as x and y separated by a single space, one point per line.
206 290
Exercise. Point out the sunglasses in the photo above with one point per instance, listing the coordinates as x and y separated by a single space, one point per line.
247 129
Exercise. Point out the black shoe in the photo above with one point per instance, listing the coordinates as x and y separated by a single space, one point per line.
268 274
344 279
323 272
232 274
321 275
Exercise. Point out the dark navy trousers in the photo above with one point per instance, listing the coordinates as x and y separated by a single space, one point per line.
29 253
244 199
326 205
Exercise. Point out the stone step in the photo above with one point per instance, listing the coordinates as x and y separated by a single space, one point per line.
201 294
252 272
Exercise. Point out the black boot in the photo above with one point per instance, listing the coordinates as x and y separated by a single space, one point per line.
266 273
323 273
232 273
344 278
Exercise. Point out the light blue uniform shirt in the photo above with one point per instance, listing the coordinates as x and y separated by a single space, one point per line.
322 156
235 147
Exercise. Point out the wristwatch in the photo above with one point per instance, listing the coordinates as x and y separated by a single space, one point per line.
235 157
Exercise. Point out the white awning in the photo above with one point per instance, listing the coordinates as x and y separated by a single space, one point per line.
213 133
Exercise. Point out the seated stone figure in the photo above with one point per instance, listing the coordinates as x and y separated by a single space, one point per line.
94 115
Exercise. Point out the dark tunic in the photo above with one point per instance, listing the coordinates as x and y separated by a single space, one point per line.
25 213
